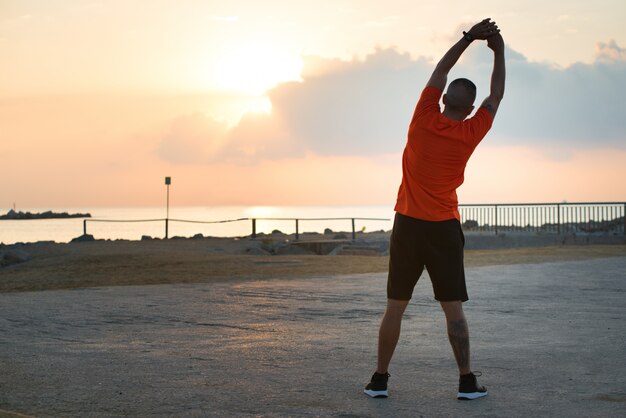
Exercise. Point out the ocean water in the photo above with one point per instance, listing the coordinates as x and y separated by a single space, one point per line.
153 224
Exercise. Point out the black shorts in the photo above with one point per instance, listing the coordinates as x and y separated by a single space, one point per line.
438 246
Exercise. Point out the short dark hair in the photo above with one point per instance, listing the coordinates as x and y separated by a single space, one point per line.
461 93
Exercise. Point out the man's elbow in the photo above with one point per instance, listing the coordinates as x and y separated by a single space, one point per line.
495 97
497 93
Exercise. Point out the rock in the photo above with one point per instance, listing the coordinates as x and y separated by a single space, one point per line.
84 238
47 242
328 231
470 224
290 249
276 231
146 238
197 236
255 251
13 256
337 250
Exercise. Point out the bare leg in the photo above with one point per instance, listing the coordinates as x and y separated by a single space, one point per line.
389 332
458 334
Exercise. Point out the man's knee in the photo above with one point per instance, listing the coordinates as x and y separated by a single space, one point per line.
453 310
396 307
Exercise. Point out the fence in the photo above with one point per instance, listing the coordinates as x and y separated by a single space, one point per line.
254 223
557 218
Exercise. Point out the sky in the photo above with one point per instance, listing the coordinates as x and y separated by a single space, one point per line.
297 102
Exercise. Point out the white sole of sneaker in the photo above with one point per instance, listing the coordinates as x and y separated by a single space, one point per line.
469 396
376 393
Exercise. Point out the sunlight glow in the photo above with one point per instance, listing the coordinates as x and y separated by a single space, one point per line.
261 104
255 68
261 212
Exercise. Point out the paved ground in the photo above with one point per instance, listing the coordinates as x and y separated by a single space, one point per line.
550 340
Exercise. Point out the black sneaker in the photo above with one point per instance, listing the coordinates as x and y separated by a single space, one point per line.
377 387
469 388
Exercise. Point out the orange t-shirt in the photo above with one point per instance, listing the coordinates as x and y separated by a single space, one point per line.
434 159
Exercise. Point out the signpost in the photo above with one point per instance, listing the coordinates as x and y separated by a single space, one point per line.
168 181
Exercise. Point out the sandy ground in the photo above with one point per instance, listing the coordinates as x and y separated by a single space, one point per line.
111 263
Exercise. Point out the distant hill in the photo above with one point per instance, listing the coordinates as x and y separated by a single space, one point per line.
13 215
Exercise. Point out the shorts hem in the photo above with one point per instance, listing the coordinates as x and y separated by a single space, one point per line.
403 299
451 299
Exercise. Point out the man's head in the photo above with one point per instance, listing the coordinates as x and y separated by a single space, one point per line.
459 99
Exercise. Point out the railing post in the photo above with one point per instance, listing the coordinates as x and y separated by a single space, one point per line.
297 231
167 221
496 209
84 226
558 218
353 231
253 228
624 222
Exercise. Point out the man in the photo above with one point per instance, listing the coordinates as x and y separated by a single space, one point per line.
427 231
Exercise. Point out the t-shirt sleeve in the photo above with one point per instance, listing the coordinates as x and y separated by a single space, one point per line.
479 125
428 102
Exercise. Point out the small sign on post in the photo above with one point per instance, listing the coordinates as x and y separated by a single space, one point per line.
168 181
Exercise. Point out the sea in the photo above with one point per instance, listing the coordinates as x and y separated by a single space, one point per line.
218 221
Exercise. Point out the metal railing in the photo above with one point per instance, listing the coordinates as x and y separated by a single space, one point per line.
558 218
254 223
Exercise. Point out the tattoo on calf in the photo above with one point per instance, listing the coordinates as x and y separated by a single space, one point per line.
459 339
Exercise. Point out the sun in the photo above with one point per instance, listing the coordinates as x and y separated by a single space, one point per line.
256 67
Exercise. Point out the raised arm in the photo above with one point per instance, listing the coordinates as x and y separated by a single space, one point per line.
481 30
492 102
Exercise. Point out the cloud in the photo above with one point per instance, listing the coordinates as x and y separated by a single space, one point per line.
358 108
259 136
200 139
581 106
363 107
610 52
193 138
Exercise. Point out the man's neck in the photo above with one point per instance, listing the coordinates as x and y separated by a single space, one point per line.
453 115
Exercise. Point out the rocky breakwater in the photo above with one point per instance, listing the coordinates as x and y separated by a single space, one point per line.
12 254
13 215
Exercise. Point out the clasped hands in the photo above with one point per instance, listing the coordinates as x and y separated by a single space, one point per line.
487 29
